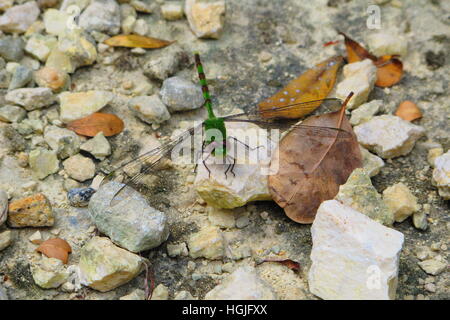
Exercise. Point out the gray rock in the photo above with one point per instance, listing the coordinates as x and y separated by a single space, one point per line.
179 94
102 16
420 220
43 162
21 77
11 113
371 163
79 197
149 109
359 193
166 64
75 45
365 112
127 218
98 146
66 143
79 168
19 18
3 207
242 222
11 49
5 78
243 284
3 294
31 98
40 46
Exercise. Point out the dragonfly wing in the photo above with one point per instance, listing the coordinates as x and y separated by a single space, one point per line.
134 171
317 131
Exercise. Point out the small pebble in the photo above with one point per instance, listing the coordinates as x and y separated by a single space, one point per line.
79 197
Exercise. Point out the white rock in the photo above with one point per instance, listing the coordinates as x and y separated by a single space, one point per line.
179 94
359 78
104 266
208 243
400 201
140 27
441 175
141 6
127 25
371 163
172 10
161 292
55 21
205 18
365 112
251 169
31 98
19 18
6 238
98 146
149 109
43 162
243 284
40 46
388 136
101 16
79 168
48 272
36 237
387 42
434 266
76 105
353 257
433 153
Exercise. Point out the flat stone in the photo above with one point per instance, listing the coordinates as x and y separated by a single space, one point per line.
400 201
43 162
3 206
353 256
64 142
371 163
359 78
207 243
179 94
149 109
243 284
206 19
161 292
6 238
434 266
31 98
48 272
33 211
19 18
388 136
98 146
222 218
387 42
79 168
40 46
102 16
365 112
10 113
76 105
172 10
21 77
251 169
11 48
104 266
441 175
126 217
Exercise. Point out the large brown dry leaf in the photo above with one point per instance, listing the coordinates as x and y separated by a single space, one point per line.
315 84
408 110
136 41
311 168
97 122
55 248
389 68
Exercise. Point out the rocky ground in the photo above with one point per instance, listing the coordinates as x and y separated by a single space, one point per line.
53 73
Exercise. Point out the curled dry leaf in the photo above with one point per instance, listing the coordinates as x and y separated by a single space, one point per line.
291 264
315 84
389 68
89 126
136 41
311 168
408 110
55 248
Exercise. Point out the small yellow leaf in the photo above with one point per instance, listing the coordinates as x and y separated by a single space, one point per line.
408 110
136 41
313 85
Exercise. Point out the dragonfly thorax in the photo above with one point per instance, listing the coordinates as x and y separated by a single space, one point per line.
216 132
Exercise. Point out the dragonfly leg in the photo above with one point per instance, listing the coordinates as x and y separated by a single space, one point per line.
204 163
243 143
230 167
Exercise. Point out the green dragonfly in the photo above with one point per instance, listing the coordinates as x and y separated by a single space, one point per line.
148 163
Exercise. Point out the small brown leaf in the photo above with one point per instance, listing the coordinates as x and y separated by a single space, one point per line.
291 264
55 248
408 110
389 68
97 122
313 85
136 41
